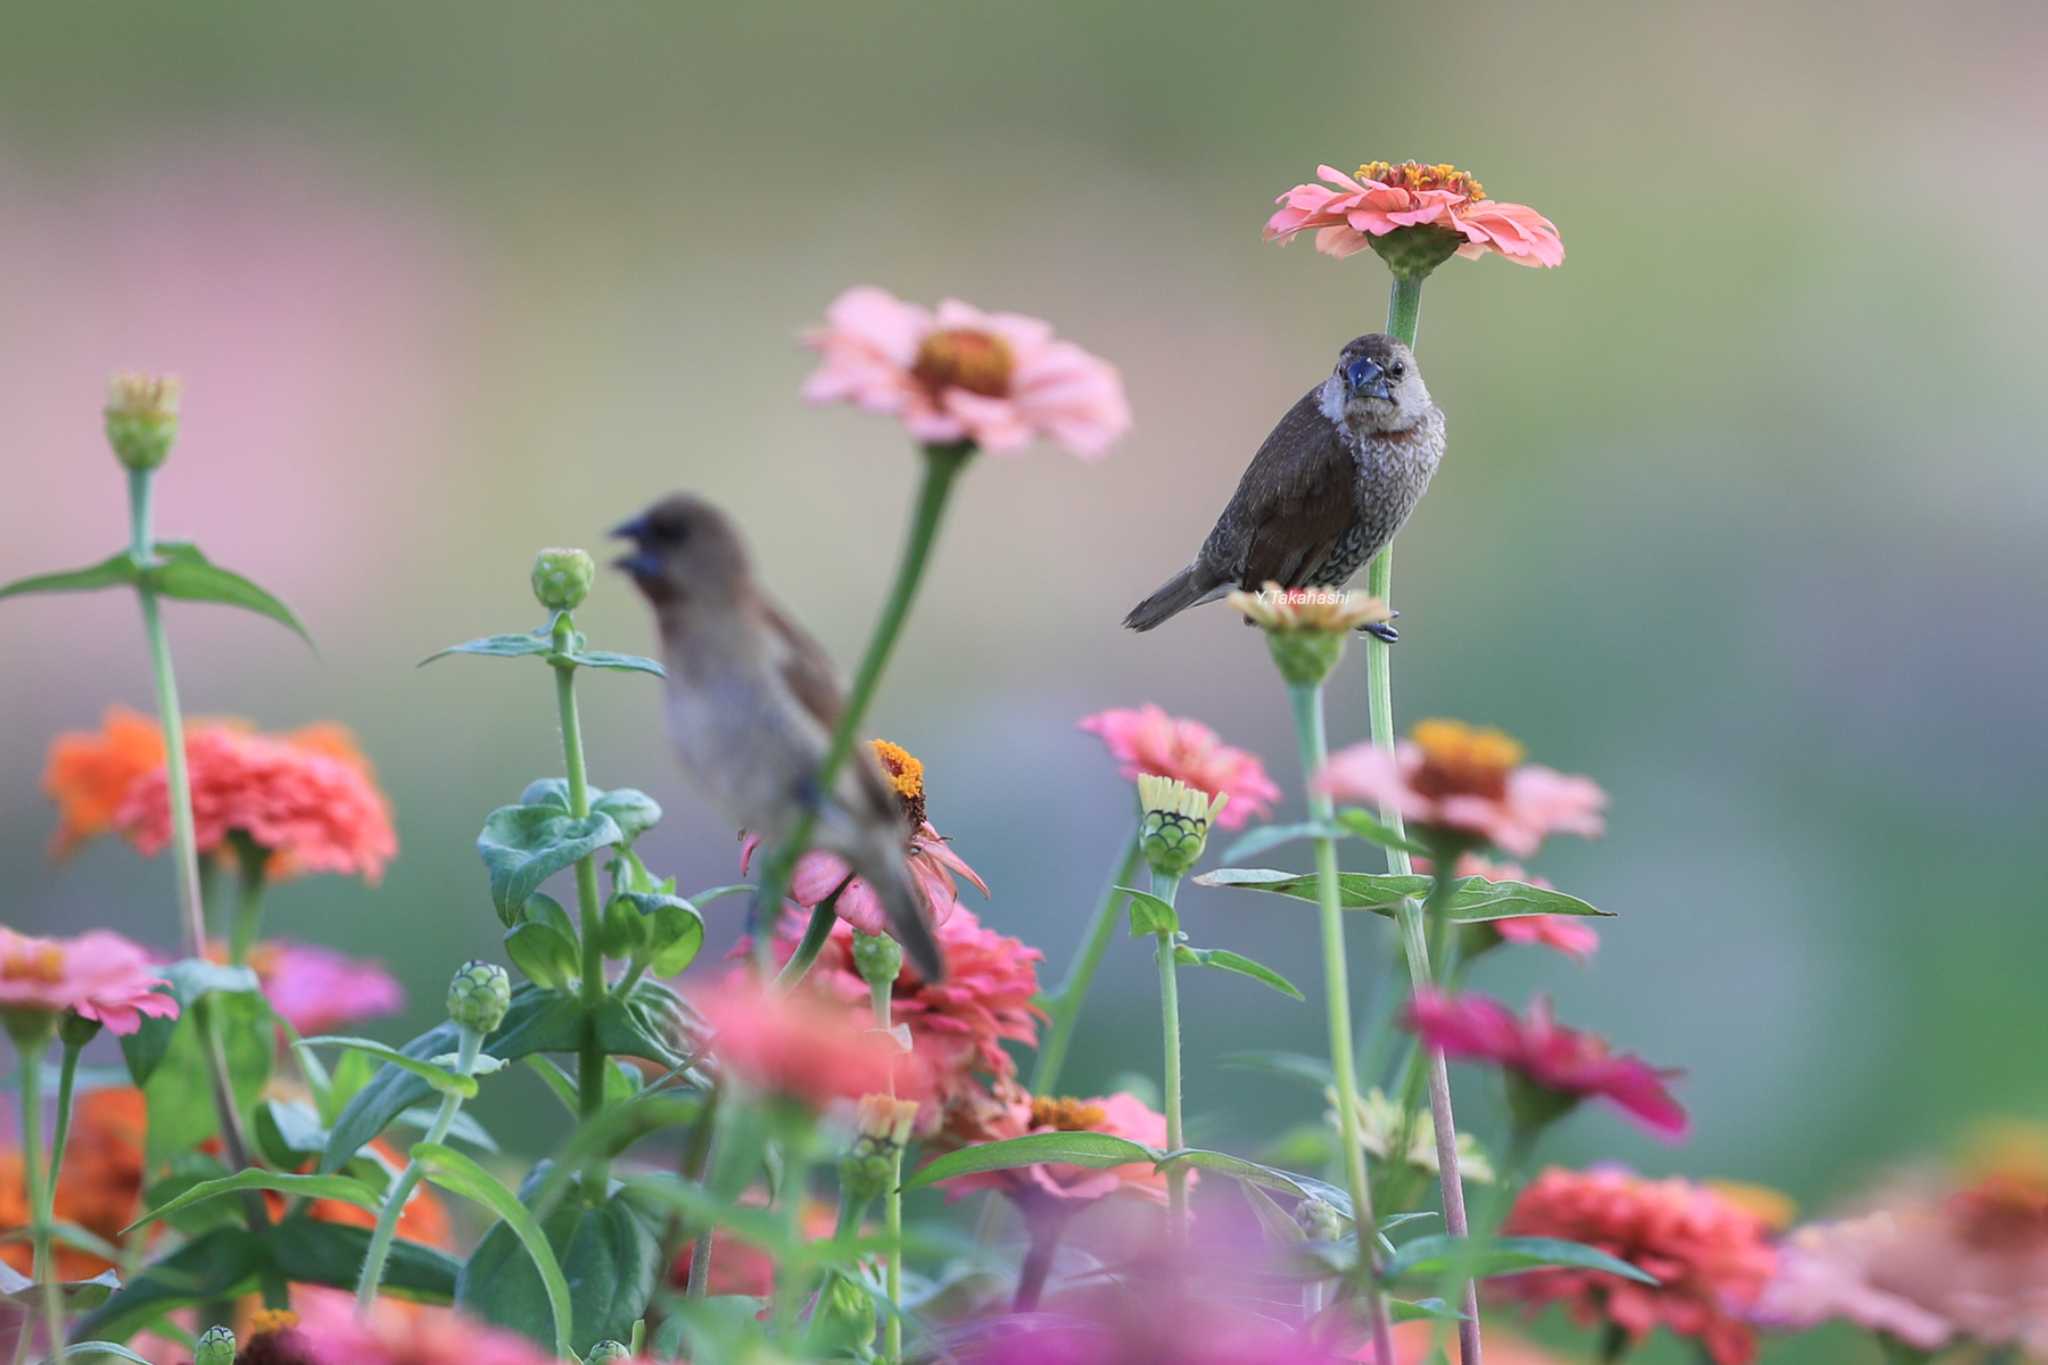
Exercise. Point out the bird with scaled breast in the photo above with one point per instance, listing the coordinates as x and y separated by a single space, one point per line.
752 704
1328 489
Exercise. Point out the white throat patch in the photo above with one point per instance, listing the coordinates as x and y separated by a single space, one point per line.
1330 400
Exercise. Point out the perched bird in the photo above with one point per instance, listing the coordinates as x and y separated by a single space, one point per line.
1327 490
752 703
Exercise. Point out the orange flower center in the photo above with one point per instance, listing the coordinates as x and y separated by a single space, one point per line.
32 959
906 777
269 1321
962 358
1413 175
1459 760
2003 1213
1067 1116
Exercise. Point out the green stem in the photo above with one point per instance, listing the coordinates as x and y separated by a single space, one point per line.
1065 1010
1166 886
1307 699
590 1063
408 1179
817 933
67 1082
1404 311
942 465
1614 1343
1044 1231
881 995
41 1197
246 927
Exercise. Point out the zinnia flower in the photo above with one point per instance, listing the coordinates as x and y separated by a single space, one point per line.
800 1046
315 990
1146 741
1409 200
100 1188
1467 784
1564 1064
931 860
89 775
331 1333
309 798
996 379
1121 1115
99 974
1567 934
1711 1257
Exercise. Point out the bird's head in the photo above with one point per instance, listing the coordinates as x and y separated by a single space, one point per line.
1377 385
684 550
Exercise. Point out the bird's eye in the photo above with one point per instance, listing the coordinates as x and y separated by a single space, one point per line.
1396 370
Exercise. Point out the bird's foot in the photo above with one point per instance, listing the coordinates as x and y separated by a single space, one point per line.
1382 631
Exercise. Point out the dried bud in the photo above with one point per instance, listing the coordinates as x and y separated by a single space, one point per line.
1174 823
607 1351
869 1166
562 578
878 958
479 996
77 1030
216 1347
142 418
886 1119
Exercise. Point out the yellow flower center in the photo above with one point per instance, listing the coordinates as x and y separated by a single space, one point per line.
906 776
267 1321
1067 1116
963 358
33 959
143 395
1770 1207
1459 760
1413 175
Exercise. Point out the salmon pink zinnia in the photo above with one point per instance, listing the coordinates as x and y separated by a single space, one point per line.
1710 1256
1146 741
98 974
1352 212
1537 1050
996 379
800 1046
1465 784
1121 1115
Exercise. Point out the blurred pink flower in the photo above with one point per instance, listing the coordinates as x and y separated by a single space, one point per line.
1467 782
1146 740
1567 934
1544 1053
1347 212
1711 1257
996 379
801 1046
1825 1272
1412 1347
329 1332
98 974
1121 1115
315 989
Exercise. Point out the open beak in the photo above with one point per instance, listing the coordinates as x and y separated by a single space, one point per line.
640 562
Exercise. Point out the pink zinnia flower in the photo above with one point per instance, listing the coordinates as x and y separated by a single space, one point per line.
309 798
1566 934
1348 212
996 379
931 860
329 1332
801 1046
1545 1054
1121 1115
1469 784
1833 1270
1711 1257
98 974
316 989
1145 741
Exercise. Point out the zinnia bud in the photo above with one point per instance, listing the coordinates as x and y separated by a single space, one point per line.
1175 823
607 1351
562 578
1306 627
77 1030
1320 1220
216 1347
878 957
479 996
870 1164
843 1322
142 418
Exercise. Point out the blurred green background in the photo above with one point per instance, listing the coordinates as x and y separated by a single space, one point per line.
1741 516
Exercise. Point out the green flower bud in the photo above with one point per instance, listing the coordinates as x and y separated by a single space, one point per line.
607 1351
216 1347
142 418
479 996
1320 1220
878 957
1174 823
77 1030
843 1322
562 578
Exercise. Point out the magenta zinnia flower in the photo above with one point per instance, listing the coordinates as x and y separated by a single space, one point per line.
1146 741
999 380
316 989
1543 1053
99 975
1469 784
1348 212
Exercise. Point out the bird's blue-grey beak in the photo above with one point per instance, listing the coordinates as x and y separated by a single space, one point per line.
641 562
1368 379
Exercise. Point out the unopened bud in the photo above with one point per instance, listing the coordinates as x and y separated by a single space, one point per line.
607 1351
1174 823
868 1167
77 1030
216 1347
1306 627
142 418
843 1322
479 996
1320 1220
878 958
562 578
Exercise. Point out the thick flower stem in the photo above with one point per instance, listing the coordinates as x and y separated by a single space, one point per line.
880 995
1308 728
1165 886
817 933
591 1063
41 1197
942 465
247 925
1065 1010
401 1189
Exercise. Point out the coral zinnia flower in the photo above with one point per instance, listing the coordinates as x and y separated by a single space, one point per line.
309 798
1710 1256
1469 784
996 379
88 775
931 860
1121 1115
1147 742
1567 1064
801 1046
1561 933
1350 213
98 974
317 989
739 1267
100 1188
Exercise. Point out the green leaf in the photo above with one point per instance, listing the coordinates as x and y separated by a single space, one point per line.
1278 1223
671 932
310 1251
438 1078
78 1295
99 1350
713 893
288 1134
115 569
179 1094
610 1260
1097 1151
559 1082
1228 961
456 1173
1149 914
1273 836
1253 1173
522 846
190 978
1370 828
182 572
221 1264
546 791
633 811
344 1188
605 658
1473 899
1422 1310
1295 1065
1438 1254
498 647
543 954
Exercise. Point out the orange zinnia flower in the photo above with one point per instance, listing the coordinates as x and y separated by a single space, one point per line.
89 774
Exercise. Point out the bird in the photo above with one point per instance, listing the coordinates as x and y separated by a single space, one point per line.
753 701
1327 490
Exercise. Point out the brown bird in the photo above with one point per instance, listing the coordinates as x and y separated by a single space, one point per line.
752 703
1328 489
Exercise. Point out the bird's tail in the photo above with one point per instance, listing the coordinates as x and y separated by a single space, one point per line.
1177 594
884 867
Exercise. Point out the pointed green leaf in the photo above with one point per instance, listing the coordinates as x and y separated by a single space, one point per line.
633 811
1473 899
1252 1172
115 569
221 1264
522 846
497 647
345 1188
1097 1151
1149 914
437 1077
182 572
458 1174
313 1251
1369 827
99 1350
78 1295
1273 836
1225 960
605 658
1438 1254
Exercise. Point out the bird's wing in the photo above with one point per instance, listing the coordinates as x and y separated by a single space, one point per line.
807 672
1292 505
